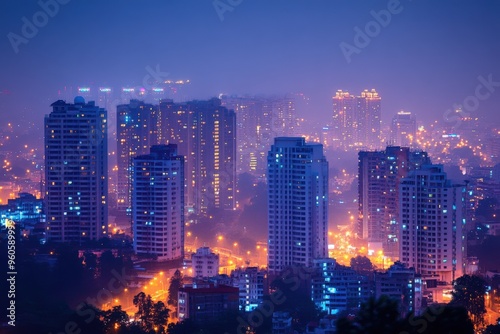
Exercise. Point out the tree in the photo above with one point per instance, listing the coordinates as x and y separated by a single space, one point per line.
114 319
160 317
144 312
493 329
176 282
469 292
361 264
152 316
375 316
182 327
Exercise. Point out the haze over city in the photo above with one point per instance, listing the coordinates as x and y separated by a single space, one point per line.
250 166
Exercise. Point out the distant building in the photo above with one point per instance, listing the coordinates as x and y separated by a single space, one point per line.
356 119
433 224
250 282
336 288
379 175
298 203
205 302
158 203
205 263
404 129
76 171
205 132
258 121
136 133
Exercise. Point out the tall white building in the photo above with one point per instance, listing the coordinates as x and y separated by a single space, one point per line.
205 263
76 171
433 220
158 203
297 203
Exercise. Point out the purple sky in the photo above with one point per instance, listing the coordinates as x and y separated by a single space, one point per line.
427 58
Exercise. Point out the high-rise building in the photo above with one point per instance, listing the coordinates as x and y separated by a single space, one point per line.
297 203
404 129
379 175
258 121
433 224
356 119
206 134
158 203
76 172
369 119
136 133
344 127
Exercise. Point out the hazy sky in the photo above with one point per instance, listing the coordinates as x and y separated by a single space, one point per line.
427 58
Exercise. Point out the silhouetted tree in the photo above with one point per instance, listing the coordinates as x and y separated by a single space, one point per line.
361 264
114 319
176 282
469 292
183 327
493 329
144 312
160 317
375 316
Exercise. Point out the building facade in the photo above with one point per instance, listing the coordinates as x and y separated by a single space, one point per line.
205 133
379 175
158 203
297 203
337 288
250 282
433 224
136 133
205 263
356 120
404 129
206 302
76 171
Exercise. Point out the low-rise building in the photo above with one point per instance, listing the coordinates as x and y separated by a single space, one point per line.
205 263
206 302
250 282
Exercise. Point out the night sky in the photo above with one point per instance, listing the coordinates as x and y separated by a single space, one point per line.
426 59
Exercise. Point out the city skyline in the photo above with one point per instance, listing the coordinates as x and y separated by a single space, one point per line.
295 60
246 166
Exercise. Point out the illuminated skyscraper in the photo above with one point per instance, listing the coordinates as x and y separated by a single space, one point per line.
158 203
403 129
297 203
76 171
433 224
379 174
356 120
205 133
136 133
369 119
344 127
